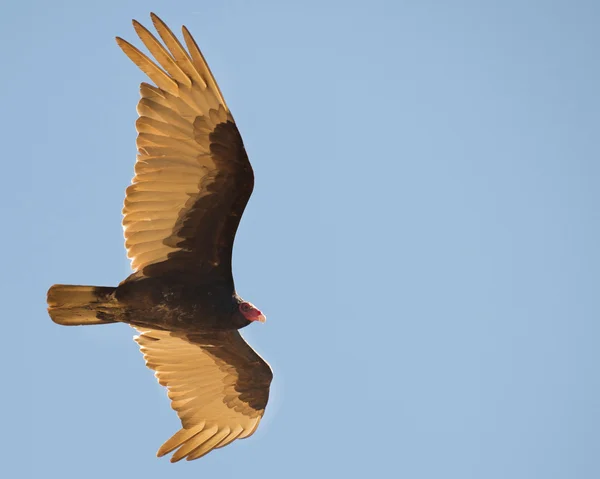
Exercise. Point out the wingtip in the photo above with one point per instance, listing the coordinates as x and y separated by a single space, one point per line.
157 21
139 28
121 42
165 449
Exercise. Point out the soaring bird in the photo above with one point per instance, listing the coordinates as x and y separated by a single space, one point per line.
192 182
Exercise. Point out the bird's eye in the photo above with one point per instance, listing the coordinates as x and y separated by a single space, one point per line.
246 307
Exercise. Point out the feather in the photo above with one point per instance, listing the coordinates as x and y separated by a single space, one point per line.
158 76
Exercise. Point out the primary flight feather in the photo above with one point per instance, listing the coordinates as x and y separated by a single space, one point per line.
192 182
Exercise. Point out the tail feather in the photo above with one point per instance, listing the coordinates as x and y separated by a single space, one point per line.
72 305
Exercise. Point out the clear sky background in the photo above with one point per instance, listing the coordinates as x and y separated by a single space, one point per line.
423 237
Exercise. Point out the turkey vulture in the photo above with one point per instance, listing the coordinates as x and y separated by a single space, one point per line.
192 182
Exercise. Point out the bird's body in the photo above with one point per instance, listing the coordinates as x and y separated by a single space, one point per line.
192 182
172 304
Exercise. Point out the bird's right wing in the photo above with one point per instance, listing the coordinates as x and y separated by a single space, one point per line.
217 383
192 175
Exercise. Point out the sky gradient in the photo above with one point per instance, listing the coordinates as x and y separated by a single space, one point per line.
423 237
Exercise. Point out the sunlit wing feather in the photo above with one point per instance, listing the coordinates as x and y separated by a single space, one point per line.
217 383
192 176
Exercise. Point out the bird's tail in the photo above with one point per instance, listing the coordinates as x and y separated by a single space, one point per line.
71 305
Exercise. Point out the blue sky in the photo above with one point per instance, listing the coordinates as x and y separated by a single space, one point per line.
423 237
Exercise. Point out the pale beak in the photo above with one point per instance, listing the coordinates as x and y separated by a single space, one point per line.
261 318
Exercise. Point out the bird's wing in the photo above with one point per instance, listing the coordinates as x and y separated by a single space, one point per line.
192 175
217 383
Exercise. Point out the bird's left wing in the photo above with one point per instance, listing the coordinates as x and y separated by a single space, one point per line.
217 383
192 175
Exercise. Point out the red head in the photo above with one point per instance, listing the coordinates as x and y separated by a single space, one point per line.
251 312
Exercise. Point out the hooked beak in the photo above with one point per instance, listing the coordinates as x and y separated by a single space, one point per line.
261 318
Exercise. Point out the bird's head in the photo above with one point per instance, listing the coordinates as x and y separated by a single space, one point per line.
251 312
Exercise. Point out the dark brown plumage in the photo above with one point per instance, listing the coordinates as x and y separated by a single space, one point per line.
192 183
